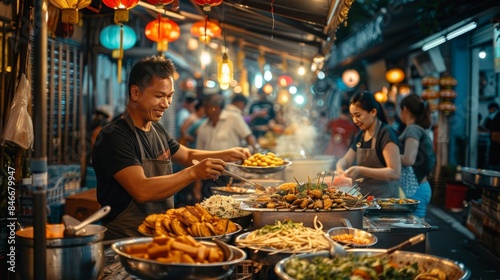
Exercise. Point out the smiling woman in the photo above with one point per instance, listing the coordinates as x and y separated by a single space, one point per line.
375 149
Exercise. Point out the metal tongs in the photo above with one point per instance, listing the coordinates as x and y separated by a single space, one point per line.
234 175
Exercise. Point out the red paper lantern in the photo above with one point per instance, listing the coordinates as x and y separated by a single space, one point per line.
212 30
162 31
208 4
121 8
160 4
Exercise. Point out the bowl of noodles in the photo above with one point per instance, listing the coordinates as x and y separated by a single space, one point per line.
272 243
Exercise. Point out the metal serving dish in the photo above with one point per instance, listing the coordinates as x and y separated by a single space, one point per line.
225 190
149 269
266 256
387 205
453 270
329 218
261 169
481 177
357 233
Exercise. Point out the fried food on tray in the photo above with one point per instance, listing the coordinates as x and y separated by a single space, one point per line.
182 249
190 220
317 196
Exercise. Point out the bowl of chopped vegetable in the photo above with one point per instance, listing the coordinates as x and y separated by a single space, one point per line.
352 236
365 264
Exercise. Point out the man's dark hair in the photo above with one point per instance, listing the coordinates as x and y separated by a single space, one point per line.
493 105
147 68
239 98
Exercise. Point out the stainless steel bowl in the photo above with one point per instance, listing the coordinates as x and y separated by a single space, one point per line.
453 270
357 233
149 269
481 177
385 205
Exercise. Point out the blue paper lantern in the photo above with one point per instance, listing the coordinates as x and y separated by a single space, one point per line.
110 37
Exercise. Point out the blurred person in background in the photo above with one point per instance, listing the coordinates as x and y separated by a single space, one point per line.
184 112
342 131
392 117
102 116
417 147
222 129
134 155
374 154
492 125
191 124
262 115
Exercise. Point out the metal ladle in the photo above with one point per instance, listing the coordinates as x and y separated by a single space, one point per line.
335 248
72 230
405 244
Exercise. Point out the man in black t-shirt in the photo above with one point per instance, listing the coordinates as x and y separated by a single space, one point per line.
133 155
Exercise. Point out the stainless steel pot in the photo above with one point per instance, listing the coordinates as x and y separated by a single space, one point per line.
481 177
80 257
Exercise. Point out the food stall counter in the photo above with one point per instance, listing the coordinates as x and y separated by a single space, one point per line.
392 229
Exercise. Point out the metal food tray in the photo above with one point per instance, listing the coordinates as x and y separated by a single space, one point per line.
408 207
262 169
329 218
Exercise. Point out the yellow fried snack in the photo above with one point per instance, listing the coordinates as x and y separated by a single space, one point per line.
190 220
176 250
159 228
261 160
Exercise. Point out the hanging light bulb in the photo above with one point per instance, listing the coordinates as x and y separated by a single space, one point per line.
268 75
302 69
205 58
225 70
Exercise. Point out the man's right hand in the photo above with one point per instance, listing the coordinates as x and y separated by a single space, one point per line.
210 168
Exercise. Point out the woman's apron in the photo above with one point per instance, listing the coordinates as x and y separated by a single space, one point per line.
368 157
127 222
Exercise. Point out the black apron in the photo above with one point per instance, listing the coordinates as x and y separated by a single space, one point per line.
368 157
127 222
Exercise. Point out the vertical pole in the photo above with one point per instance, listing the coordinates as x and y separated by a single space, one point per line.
39 162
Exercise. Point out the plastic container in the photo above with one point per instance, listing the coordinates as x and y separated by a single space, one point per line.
455 196
304 168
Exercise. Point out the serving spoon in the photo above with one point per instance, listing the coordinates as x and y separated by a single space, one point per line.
335 248
236 176
405 244
72 230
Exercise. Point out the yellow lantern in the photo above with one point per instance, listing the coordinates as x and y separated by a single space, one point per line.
70 9
395 76
225 70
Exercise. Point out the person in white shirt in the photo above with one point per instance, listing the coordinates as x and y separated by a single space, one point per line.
222 128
